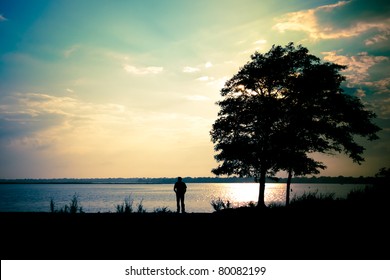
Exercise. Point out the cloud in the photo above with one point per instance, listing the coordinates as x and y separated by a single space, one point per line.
3 18
383 107
70 124
308 21
360 93
381 86
212 81
259 45
189 69
39 112
358 65
379 38
260 42
205 78
304 20
197 98
71 50
143 70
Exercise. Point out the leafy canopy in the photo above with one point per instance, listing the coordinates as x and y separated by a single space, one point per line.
280 107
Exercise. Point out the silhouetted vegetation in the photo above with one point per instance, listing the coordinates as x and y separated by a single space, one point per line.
374 196
140 207
314 226
278 109
127 206
163 209
72 208
219 204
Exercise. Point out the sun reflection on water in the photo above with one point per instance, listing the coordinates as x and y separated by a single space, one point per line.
243 193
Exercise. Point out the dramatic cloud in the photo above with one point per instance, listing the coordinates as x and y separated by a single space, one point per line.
378 38
381 86
39 112
305 20
142 71
119 99
308 21
357 66
49 120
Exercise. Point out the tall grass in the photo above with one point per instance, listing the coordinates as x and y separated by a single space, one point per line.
72 208
140 207
127 206
313 196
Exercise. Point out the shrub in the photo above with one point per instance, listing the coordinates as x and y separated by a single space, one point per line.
312 199
218 204
163 209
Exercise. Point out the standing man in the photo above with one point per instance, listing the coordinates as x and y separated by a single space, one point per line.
180 189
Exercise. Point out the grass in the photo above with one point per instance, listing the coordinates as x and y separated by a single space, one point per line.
164 209
127 206
72 208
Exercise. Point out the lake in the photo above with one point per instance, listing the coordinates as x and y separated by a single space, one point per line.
94 198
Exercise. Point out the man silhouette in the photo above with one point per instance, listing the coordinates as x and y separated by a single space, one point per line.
180 189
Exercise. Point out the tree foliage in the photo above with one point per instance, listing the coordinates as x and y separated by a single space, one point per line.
280 107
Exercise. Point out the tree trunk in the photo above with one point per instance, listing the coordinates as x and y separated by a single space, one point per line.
260 202
288 187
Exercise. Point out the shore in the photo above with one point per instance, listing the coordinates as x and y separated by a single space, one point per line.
244 234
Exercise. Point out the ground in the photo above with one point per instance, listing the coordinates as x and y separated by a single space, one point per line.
235 234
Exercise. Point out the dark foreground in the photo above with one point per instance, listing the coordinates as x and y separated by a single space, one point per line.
245 234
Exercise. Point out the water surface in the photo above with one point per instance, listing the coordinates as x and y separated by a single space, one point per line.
95 198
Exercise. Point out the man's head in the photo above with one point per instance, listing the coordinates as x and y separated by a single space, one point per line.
179 179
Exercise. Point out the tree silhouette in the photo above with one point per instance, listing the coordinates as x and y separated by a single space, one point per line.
280 107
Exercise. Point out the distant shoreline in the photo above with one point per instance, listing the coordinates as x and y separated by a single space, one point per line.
302 180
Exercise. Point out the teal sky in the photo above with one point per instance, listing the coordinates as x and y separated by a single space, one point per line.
128 88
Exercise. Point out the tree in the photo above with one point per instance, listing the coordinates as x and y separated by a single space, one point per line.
280 107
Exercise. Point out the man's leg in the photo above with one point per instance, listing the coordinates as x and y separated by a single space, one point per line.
183 209
178 202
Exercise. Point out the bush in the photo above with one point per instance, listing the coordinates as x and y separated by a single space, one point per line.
219 204
312 199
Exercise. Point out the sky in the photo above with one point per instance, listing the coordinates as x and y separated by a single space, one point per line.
108 89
